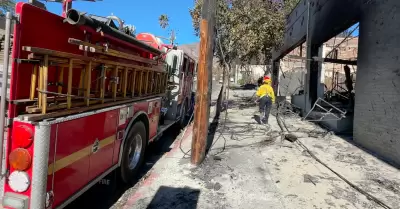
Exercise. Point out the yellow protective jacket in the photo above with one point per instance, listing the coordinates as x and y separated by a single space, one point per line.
266 90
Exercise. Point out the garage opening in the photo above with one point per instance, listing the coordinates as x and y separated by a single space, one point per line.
332 89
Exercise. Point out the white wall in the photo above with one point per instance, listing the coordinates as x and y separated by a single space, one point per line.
257 71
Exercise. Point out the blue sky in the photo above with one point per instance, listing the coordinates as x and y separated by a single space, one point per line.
143 15
356 32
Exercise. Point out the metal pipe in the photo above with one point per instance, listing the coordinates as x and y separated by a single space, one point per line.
339 110
3 93
308 45
77 18
120 22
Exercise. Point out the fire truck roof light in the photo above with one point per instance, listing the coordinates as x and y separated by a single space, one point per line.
16 201
19 181
20 159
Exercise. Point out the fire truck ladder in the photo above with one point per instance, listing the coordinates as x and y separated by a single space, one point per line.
129 82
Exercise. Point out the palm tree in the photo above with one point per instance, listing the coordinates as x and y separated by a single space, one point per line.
163 21
6 6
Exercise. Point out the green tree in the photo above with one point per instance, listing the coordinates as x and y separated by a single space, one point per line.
261 28
224 49
247 30
6 6
254 27
163 20
164 23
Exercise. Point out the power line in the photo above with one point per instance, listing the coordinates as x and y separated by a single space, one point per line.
282 125
345 39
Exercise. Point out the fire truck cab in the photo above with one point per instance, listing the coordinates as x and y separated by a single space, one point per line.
182 71
85 99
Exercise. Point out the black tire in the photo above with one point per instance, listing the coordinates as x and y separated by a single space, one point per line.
128 173
162 119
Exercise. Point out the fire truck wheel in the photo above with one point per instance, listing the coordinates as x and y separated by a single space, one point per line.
133 153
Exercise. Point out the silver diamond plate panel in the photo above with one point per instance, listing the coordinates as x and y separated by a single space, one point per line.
40 166
2 178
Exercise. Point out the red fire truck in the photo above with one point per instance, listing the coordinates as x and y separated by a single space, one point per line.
86 97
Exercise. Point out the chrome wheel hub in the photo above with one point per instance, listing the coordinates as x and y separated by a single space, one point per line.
135 151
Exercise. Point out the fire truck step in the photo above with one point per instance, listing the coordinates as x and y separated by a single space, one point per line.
166 125
162 128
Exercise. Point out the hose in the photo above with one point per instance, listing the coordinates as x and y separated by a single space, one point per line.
283 127
77 18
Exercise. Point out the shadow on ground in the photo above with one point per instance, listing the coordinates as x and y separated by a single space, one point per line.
212 129
177 198
217 128
104 196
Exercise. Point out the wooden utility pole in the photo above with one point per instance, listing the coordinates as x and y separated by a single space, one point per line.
204 82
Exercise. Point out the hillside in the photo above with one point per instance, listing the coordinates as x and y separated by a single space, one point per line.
193 51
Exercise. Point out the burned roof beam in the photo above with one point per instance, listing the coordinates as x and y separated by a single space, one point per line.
329 60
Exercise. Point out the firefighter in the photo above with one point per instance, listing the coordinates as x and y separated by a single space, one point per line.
266 97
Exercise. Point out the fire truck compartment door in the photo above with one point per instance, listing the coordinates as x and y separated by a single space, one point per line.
72 159
102 140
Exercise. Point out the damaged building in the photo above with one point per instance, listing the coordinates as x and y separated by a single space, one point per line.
347 83
337 80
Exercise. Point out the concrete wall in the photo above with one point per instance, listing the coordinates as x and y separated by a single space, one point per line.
377 105
256 71
299 101
377 102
